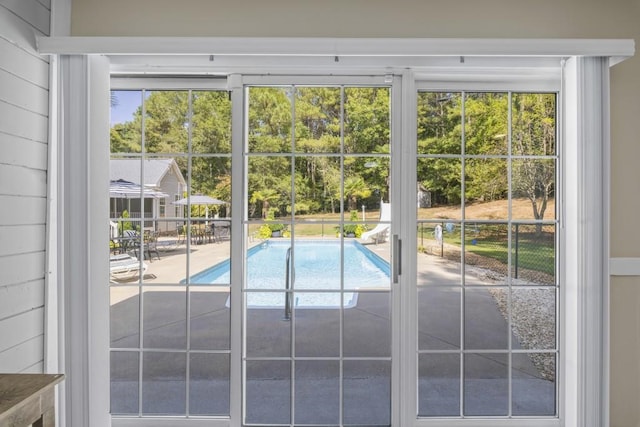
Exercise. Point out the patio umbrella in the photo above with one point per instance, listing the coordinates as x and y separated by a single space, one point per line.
199 199
121 189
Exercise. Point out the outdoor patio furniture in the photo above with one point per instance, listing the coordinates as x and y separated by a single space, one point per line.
125 267
151 244
198 234
129 241
220 229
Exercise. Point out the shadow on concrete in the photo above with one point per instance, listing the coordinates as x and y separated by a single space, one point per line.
161 387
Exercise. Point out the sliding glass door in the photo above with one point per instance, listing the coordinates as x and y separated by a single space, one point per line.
295 251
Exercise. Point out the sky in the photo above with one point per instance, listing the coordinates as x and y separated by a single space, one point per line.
127 103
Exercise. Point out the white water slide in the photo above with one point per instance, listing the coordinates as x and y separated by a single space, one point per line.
381 230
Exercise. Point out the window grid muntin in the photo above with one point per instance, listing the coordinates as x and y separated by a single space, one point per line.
509 222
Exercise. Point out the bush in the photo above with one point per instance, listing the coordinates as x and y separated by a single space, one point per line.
123 224
264 232
353 229
271 224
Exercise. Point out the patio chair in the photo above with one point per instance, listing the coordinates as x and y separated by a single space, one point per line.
220 229
380 232
181 233
125 267
151 244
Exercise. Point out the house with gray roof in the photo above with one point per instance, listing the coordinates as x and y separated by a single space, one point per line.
162 175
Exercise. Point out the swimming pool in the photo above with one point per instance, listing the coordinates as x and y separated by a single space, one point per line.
316 267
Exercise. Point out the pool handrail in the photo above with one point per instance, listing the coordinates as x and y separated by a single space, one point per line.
287 285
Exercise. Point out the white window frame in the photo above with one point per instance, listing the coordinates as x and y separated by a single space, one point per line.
83 135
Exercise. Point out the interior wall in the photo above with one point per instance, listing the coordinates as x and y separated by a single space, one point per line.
444 18
24 111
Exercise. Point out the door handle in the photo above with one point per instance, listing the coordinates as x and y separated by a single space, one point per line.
396 255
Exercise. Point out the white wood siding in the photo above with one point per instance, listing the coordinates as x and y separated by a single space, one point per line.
24 110
31 12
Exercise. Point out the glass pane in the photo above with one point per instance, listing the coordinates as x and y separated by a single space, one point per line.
485 326
533 254
269 191
439 188
164 317
438 318
124 316
126 124
439 252
209 384
268 332
163 238
210 318
486 189
270 119
486 123
120 226
534 182
367 117
175 185
367 326
317 399
486 254
165 252
367 392
366 267
266 269
318 227
164 383
221 231
377 250
211 122
211 187
201 231
534 385
533 317
125 374
317 188
210 262
318 113
486 385
125 265
366 183
439 385
534 124
316 266
439 123
166 122
317 324
268 392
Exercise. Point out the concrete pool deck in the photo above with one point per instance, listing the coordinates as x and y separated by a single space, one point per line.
367 333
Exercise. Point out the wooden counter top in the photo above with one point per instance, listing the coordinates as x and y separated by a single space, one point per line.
27 399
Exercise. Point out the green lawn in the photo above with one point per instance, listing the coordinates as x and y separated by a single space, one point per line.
533 252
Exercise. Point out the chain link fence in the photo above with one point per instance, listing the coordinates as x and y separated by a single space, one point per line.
522 251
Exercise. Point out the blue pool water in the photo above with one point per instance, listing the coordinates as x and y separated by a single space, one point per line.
316 267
